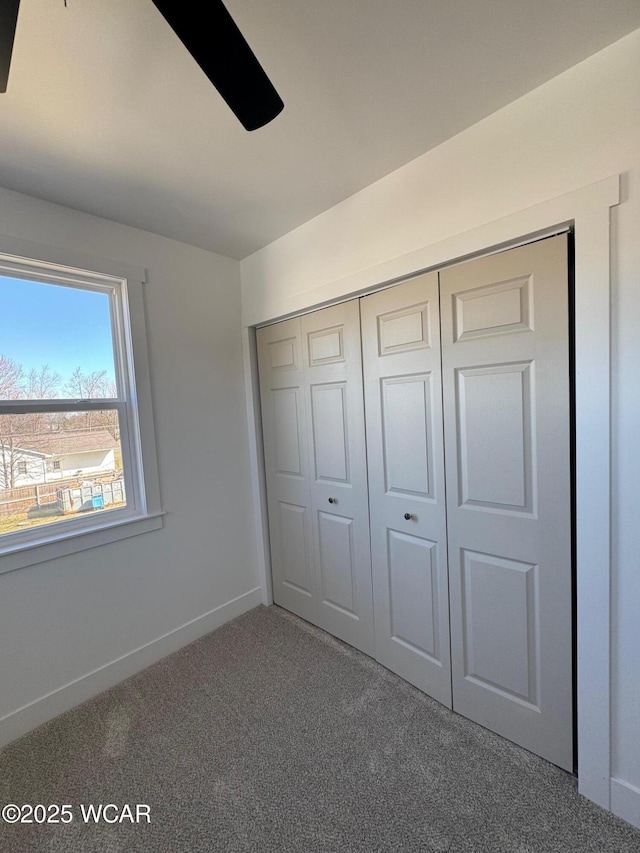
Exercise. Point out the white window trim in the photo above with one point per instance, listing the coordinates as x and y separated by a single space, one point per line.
23 258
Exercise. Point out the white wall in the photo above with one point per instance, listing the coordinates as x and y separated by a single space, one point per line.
64 619
35 472
575 130
86 463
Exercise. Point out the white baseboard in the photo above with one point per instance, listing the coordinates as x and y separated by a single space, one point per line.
625 801
30 716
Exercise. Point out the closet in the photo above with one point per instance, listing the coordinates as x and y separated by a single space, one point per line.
441 543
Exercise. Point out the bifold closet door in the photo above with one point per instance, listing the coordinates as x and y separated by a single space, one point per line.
468 564
312 403
338 464
401 349
507 440
284 428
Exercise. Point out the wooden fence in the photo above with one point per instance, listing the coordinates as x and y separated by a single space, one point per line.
16 501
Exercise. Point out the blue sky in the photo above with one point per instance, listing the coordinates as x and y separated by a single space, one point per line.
63 327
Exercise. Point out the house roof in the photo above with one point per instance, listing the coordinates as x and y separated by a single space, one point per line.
68 442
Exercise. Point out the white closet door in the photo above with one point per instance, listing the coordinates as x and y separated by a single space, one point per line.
338 472
284 428
401 348
507 440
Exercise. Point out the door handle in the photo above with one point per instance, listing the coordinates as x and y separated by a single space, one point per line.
407 516
333 500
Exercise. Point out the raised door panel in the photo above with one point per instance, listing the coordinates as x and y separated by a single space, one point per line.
330 435
493 309
405 329
294 547
495 443
284 423
407 416
500 628
505 354
337 569
282 354
413 594
326 346
338 478
401 350
286 427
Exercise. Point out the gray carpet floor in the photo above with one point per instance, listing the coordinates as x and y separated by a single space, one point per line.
269 735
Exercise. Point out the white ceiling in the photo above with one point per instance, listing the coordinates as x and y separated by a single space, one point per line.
106 112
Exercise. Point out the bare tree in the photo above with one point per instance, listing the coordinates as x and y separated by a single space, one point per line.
86 386
16 429
91 386
42 384
11 455
11 378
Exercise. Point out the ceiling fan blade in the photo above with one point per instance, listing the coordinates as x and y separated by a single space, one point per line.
8 20
212 37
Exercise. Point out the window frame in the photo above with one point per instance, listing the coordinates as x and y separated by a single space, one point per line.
142 513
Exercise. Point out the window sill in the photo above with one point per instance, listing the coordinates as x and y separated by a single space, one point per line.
46 548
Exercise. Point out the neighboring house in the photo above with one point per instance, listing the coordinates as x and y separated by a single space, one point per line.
60 455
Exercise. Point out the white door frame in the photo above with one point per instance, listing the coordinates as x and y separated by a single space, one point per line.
587 210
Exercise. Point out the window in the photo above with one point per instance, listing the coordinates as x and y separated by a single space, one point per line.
77 460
